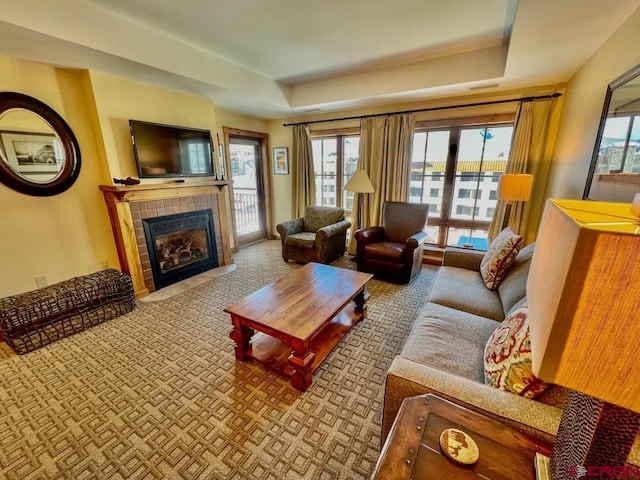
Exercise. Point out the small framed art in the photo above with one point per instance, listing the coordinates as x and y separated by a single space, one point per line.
281 161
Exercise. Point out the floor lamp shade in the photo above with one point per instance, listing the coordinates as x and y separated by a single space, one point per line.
359 183
584 319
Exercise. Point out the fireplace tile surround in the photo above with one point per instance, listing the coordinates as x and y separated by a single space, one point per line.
129 205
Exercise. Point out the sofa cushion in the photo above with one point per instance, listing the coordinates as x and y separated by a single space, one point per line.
464 290
513 287
499 257
449 340
316 217
507 357
301 240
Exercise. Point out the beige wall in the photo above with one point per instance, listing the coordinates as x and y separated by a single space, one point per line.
58 236
67 235
117 100
583 107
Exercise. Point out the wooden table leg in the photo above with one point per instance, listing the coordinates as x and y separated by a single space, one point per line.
361 305
242 336
301 359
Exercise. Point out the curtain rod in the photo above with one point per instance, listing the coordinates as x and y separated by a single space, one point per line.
477 104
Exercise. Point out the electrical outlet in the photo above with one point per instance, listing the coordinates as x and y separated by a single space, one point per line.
41 281
104 264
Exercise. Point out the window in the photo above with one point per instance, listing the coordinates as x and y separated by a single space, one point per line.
620 145
335 159
468 160
464 210
466 193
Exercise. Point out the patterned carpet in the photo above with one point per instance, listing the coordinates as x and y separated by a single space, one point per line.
158 393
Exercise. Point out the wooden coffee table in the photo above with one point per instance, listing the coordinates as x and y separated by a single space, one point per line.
299 319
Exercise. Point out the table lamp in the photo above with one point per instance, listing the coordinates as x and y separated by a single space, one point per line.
514 187
584 313
359 183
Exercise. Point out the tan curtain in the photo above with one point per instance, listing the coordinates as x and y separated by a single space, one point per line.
528 155
304 183
386 144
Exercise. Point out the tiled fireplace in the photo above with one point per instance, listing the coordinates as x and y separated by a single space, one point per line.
167 232
179 246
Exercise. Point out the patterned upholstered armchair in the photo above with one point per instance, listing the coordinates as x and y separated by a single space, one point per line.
319 236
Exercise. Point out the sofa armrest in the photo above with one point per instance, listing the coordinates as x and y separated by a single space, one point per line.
462 258
406 378
333 229
290 227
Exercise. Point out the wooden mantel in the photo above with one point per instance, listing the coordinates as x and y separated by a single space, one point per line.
129 205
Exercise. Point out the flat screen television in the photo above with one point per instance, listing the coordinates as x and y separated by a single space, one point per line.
171 151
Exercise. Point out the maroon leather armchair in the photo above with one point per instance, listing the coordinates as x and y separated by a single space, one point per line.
394 250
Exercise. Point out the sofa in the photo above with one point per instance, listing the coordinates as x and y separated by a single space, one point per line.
444 353
319 236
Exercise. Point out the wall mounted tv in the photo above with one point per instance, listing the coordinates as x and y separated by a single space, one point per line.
170 151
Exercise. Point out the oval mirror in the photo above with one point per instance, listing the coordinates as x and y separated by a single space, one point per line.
39 154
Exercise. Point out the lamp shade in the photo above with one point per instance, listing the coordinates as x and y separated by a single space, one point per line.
515 187
359 183
583 293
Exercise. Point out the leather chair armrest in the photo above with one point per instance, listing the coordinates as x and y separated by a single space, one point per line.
367 235
333 229
290 227
415 240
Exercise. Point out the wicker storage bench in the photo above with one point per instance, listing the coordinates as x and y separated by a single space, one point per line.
34 319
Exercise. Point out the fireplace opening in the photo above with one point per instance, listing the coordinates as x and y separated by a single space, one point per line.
180 246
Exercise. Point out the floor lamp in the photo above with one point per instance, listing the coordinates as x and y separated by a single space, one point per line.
359 183
513 187
584 320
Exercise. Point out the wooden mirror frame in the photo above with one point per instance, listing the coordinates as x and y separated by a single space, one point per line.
71 166
618 82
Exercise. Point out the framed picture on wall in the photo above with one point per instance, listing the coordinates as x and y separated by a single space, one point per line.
281 161
36 155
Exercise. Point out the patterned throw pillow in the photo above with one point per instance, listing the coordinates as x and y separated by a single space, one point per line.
507 357
499 257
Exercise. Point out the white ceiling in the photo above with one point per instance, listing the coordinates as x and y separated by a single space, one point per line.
278 58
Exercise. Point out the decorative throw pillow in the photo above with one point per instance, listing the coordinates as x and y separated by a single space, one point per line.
507 357
499 257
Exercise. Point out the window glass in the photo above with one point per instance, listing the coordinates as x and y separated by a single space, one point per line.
324 165
480 158
350 155
430 152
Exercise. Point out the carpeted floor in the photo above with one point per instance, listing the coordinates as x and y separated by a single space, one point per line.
158 393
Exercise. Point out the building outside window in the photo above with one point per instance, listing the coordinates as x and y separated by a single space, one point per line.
620 145
469 160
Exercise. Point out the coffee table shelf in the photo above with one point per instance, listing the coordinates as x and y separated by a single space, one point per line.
293 324
274 353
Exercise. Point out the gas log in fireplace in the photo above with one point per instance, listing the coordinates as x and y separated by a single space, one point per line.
180 245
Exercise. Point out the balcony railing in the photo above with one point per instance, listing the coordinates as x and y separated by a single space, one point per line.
246 205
